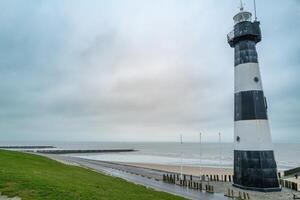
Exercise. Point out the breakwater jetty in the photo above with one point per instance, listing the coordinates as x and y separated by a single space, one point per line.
65 151
27 147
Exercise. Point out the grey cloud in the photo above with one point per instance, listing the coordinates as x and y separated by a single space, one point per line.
136 70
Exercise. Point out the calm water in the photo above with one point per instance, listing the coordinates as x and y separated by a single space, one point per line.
212 154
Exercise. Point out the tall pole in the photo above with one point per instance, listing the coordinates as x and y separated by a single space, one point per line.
181 158
255 10
242 5
200 158
220 149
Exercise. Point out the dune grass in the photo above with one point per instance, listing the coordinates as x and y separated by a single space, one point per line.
33 177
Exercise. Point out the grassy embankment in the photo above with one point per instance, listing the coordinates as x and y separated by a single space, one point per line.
35 177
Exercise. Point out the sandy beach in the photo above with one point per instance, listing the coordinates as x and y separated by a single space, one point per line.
189 170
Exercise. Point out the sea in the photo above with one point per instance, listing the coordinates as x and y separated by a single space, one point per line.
287 155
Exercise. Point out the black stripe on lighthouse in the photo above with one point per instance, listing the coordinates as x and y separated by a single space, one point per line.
245 52
255 170
250 105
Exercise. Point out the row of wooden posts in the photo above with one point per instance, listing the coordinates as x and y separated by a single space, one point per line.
197 185
174 179
239 195
217 178
290 184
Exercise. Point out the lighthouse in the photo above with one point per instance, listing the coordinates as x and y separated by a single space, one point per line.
254 162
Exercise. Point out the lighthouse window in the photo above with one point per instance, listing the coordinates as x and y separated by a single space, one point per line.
238 139
256 79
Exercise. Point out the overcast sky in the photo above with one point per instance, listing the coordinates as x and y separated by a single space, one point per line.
138 70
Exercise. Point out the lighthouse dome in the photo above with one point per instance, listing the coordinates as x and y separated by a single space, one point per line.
242 16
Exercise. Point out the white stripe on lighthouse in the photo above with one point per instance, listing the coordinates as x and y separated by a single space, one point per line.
247 77
253 135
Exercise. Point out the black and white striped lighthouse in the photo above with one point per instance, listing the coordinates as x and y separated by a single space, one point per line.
254 163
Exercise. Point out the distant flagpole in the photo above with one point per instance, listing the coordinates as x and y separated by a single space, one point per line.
220 149
181 176
200 158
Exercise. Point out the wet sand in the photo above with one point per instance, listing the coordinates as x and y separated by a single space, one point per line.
189 170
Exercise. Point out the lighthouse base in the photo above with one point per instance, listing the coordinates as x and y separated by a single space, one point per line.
277 189
255 170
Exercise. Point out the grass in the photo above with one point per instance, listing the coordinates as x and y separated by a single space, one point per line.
33 177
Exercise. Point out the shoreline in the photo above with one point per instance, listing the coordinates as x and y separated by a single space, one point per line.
188 170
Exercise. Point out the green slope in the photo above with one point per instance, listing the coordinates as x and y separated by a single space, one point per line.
36 177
